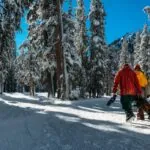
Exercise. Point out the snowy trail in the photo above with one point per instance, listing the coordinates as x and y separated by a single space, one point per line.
29 124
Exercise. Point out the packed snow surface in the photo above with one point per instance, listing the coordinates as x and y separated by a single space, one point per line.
38 123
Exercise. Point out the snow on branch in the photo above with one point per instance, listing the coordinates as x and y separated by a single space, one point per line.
147 11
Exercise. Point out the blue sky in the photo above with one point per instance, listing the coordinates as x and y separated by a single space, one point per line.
21 36
122 16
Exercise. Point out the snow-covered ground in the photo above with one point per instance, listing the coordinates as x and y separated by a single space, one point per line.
28 123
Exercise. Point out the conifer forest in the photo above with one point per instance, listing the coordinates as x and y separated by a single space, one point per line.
61 54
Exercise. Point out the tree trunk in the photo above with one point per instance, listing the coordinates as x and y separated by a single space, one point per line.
23 88
32 90
58 47
60 57
65 73
49 90
32 87
52 84
1 88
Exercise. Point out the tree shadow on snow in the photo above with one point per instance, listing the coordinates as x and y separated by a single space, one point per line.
66 131
90 105
30 100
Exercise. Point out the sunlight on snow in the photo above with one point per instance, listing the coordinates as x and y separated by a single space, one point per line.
68 118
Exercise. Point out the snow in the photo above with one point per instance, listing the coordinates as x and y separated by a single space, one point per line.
38 123
96 39
147 10
75 94
96 22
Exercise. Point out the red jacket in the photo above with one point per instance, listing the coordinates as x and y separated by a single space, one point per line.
128 82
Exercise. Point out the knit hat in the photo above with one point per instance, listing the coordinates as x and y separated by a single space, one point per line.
137 67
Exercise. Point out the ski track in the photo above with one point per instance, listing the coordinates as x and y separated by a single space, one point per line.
28 123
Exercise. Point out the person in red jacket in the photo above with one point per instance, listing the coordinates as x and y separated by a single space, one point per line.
129 86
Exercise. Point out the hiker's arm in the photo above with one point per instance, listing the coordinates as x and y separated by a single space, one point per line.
116 82
137 86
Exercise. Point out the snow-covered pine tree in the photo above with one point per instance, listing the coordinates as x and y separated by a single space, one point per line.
54 31
9 23
31 73
11 13
81 35
20 72
145 50
109 69
137 49
61 29
72 61
81 41
97 47
10 82
147 11
124 55
42 21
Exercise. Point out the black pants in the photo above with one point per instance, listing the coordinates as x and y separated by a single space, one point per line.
126 101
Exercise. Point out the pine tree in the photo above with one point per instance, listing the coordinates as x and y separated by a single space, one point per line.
81 41
97 46
81 37
54 36
108 72
124 55
11 12
145 50
137 49
147 11
27 68
45 38
9 23
71 57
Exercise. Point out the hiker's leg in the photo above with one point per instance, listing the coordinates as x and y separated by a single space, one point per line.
126 101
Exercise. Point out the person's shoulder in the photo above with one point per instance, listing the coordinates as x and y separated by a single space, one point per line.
120 71
141 73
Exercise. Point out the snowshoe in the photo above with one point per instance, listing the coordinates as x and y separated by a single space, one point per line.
130 118
111 100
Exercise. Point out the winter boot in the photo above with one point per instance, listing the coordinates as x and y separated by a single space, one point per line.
140 114
130 117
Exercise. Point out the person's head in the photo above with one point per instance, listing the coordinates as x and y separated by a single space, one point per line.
123 66
137 67
126 65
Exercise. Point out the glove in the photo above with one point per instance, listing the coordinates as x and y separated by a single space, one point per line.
112 99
